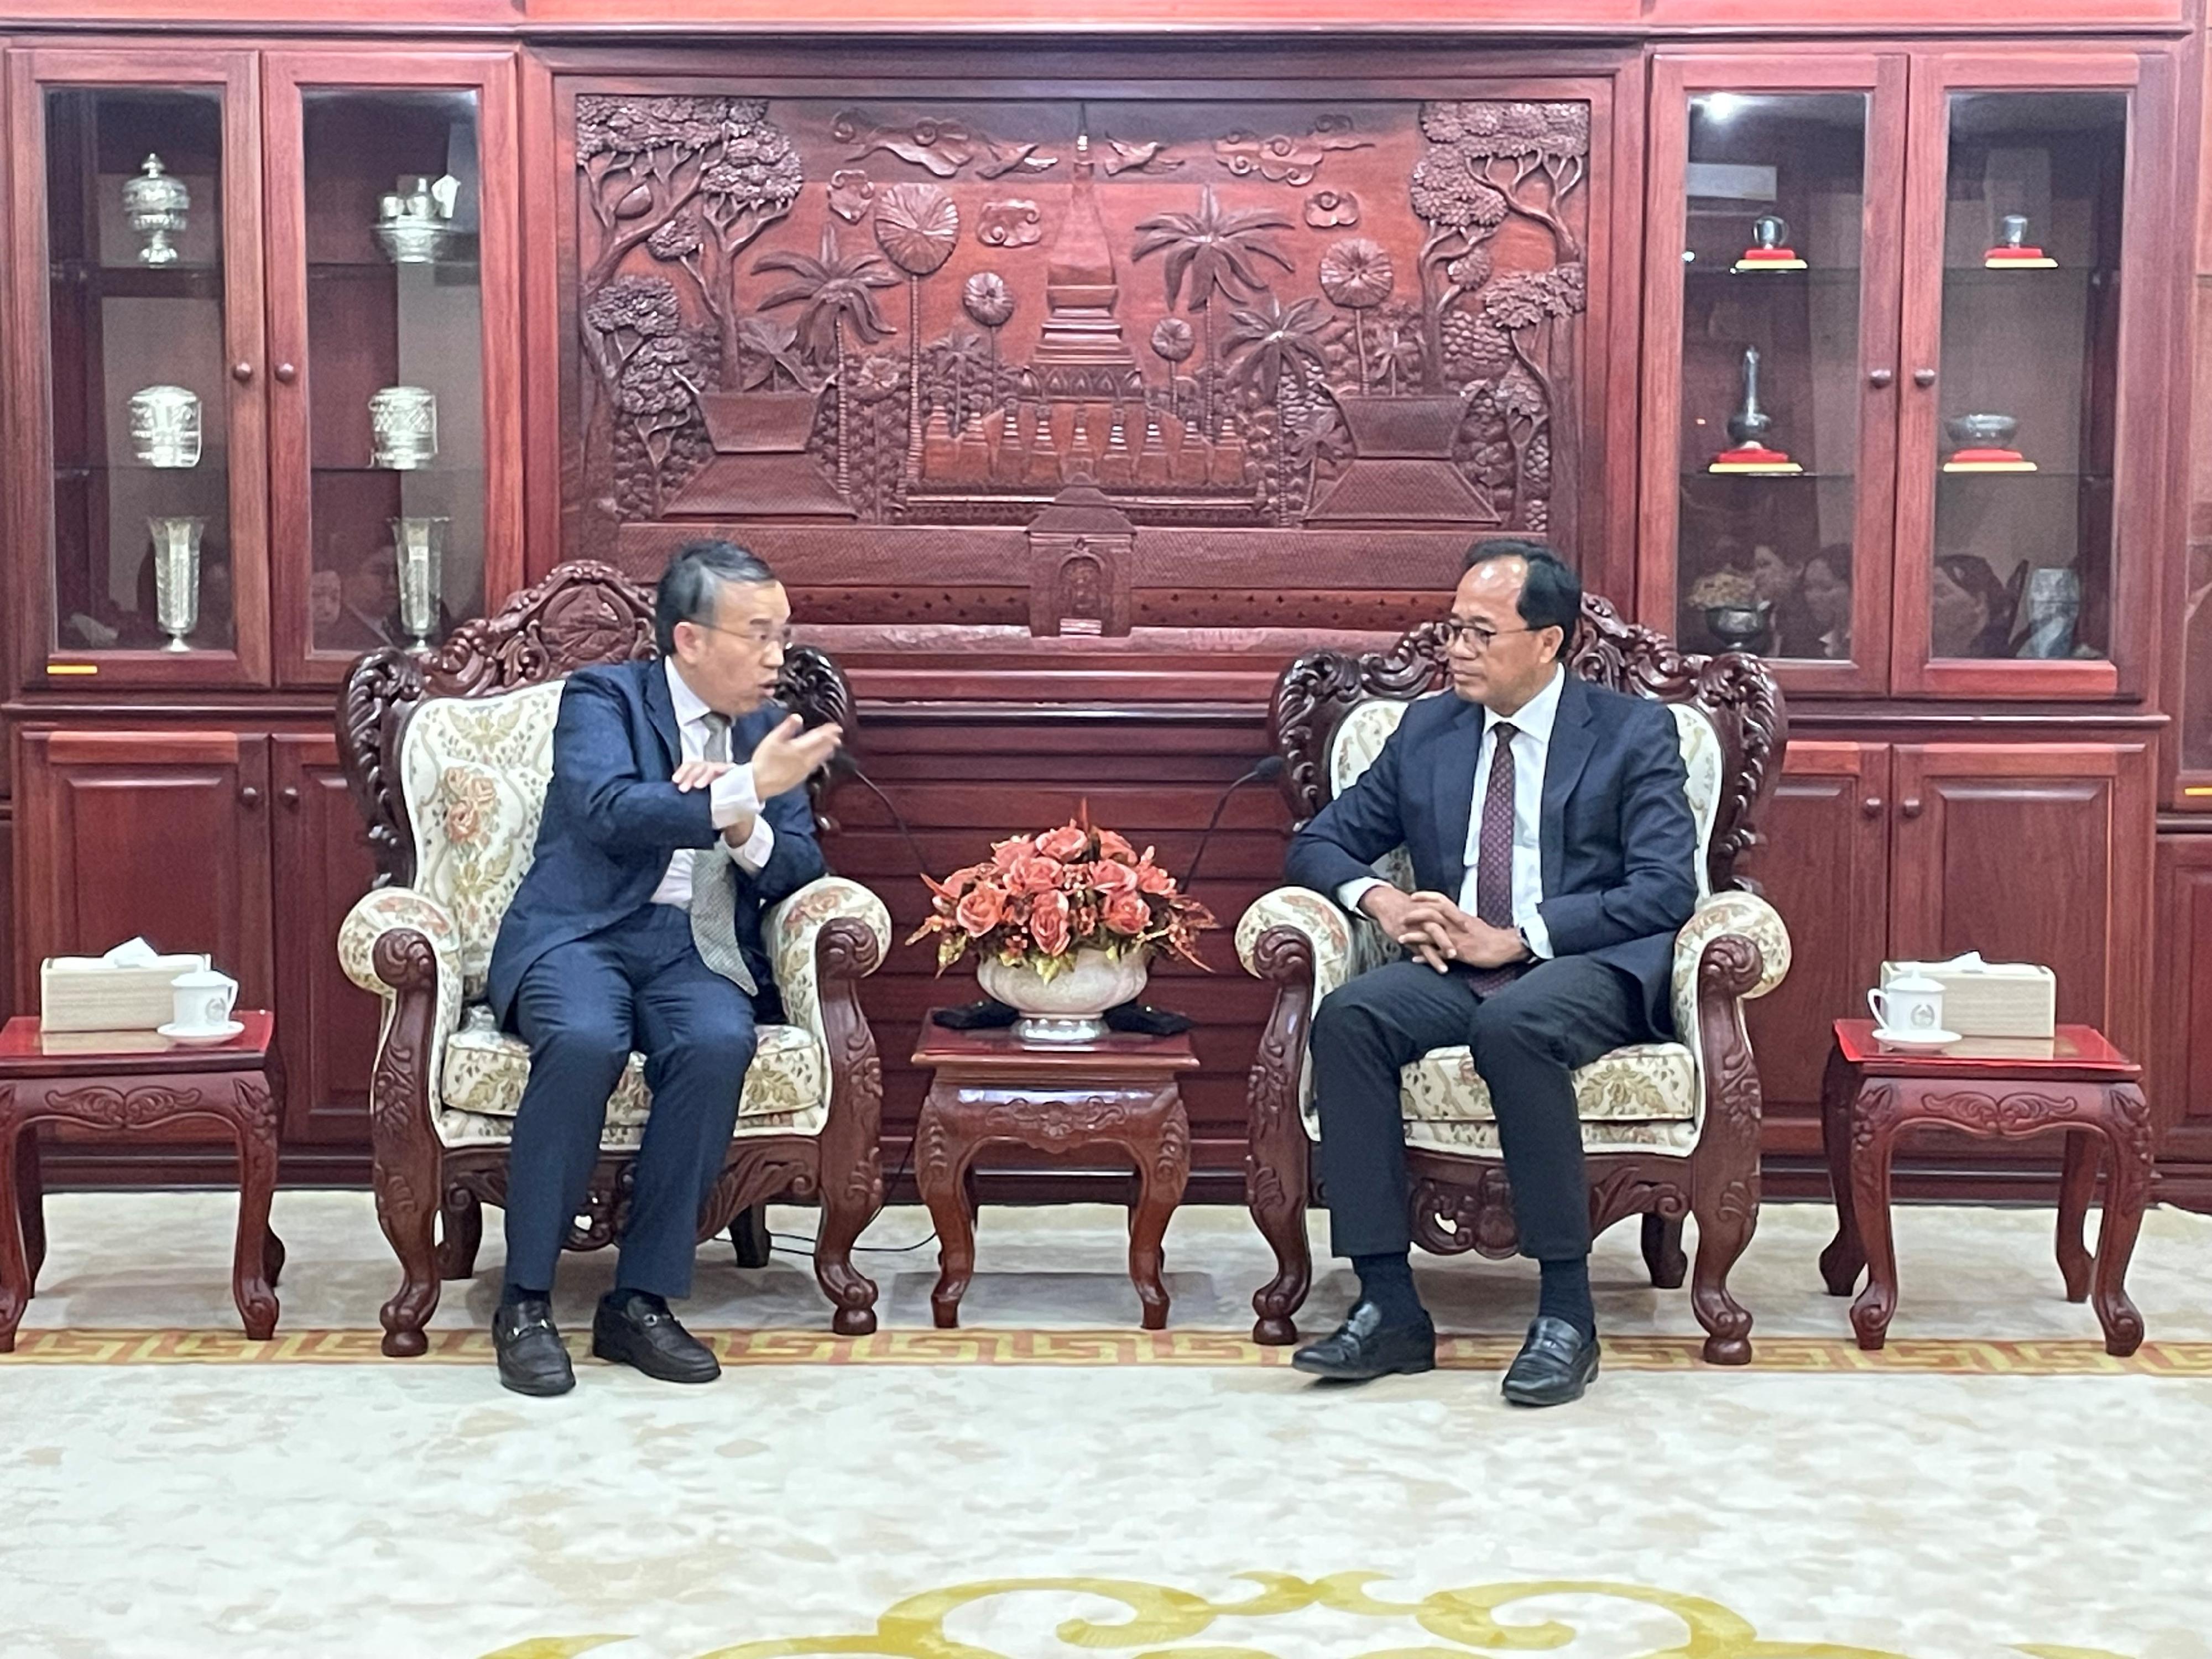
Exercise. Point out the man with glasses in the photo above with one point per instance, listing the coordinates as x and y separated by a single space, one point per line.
1553 843
675 816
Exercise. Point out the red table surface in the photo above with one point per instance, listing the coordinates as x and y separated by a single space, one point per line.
939 1046
2071 1049
24 1047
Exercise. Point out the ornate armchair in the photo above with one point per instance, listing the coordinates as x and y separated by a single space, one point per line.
1668 1129
448 758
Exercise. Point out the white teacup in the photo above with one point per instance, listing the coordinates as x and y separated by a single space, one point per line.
1911 1004
204 999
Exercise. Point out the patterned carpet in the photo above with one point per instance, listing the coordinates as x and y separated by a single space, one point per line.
1053 1482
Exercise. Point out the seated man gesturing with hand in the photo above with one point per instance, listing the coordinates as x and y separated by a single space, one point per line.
675 816
1549 832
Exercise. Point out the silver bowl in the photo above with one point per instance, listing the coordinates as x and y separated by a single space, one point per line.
1736 626
1981 431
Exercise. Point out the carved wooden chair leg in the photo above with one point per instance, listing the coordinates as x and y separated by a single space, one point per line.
748 1235
1275 1192
461 1231
1727 1214
1662 1251
850 1200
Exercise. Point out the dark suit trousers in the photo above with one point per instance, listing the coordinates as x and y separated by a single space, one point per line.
582 1007
1527 1039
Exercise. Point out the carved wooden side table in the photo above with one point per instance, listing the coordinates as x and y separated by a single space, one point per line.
2076 1084
122 1082
991 1088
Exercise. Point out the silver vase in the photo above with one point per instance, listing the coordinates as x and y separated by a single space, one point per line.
177 577
403 428
165 426
155 205
420 544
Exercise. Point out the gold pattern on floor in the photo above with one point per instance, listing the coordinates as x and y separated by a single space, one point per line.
915 1628
1950 1357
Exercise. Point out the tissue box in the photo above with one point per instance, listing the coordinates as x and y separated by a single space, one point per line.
1990 999
84 994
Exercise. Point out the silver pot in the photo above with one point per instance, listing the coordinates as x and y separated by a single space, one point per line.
165 426
403 428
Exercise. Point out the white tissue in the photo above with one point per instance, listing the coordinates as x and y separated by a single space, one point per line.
132 953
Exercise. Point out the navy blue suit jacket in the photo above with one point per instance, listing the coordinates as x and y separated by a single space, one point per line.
1618 842
612 818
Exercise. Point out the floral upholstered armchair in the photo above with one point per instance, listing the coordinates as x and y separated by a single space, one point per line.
448 758
1668 1129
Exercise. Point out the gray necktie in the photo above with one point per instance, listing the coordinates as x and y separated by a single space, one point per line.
715 888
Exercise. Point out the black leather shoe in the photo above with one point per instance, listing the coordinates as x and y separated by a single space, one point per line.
1554 1365
531 1360
1363 1347
631 1330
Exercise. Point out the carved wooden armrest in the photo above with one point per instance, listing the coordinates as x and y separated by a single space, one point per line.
1747 916
402 945
1328 930
804 960
1732 948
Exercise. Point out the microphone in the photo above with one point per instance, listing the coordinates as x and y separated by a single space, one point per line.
842 763
1267 769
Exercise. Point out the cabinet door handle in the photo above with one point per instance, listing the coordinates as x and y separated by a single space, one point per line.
1909 806
286 374
1871 806
1881 377
249 796
1923 377
288 795
241 372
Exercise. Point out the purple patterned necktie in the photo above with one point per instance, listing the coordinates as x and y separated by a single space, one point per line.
1494 868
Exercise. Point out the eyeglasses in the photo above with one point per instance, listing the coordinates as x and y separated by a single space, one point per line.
1478 637
757 637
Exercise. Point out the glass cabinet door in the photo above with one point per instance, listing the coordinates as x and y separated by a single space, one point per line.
2015 572
146 346
383 248
1774 268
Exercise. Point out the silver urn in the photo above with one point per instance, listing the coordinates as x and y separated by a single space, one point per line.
155 205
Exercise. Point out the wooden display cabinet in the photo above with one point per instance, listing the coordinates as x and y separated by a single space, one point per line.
1955 489
289 159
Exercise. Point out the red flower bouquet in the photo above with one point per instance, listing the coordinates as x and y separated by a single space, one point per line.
1042 898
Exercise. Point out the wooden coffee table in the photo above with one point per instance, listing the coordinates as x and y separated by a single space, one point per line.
991 1088
133 1084
2076 1084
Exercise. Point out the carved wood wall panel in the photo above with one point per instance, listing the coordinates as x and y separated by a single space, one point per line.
1077 367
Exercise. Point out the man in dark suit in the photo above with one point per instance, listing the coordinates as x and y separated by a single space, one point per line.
1553 847
676 814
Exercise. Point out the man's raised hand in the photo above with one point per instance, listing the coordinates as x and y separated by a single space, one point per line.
788 755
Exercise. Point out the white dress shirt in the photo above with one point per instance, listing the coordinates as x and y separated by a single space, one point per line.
731 799
1532 746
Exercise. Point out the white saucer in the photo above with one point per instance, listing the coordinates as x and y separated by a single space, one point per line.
1922 1042
222 1033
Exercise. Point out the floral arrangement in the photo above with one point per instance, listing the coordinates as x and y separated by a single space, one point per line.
1042 898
